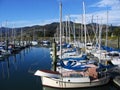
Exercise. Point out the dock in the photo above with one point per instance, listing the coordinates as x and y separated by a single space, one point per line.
116 80
115 72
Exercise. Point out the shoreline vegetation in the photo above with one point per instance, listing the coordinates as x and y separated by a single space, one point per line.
50 31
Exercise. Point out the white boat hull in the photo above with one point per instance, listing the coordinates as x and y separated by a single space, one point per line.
57 83
116 62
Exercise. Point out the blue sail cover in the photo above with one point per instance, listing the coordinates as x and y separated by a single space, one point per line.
72 63
102 67
65 45
108 48
73 67
118 50
84 57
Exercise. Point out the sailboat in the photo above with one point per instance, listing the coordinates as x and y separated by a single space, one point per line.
73 76
72 79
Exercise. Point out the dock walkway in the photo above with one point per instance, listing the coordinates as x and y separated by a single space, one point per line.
116 75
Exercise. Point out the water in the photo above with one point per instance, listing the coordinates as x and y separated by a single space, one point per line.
17 71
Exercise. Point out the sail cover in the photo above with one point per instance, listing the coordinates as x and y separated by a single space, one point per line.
73 67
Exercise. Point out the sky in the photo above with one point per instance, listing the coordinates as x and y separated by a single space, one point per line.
20 13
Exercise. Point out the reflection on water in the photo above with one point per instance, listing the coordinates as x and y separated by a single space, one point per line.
4 70
17 70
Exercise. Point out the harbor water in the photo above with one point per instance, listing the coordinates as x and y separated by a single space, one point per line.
17 71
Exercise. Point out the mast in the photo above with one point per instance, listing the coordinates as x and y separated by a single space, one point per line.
7 41
1 34
79 32
69 27
84 22
100 29
82 29
66 25
21 37
74 32
106 31
14 35
54 55
60 29
57 33
33 34
63 35
44 33
97 26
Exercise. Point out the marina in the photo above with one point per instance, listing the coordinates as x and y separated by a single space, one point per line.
17 71
70 52
75 69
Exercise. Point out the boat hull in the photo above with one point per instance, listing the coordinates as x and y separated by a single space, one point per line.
57 83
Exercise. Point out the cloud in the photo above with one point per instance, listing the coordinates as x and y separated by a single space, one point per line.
107 3
113 12
100 11
113 9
